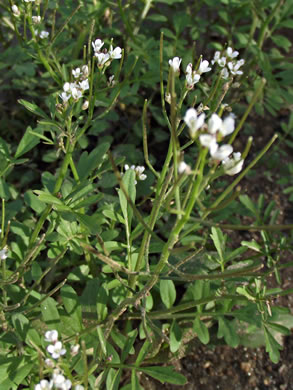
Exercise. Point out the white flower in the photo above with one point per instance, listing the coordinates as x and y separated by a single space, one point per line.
76 73
193 121
115 54
84 85
102 58
214 123
208 141
79 387
97 45
175 64
191 76
44 385
15 10
233 165
76 93
29 1
203 67
138 171
234 67
220 153
85 70
228 125
231 53
43 34
222 61
51 336
36 19
111 81
216 57
225 73
56 350
3 253
49 363
60 382
65 97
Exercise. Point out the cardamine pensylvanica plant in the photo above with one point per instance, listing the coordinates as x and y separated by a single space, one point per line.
126 264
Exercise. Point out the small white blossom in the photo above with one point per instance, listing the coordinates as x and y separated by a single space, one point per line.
191 77
175 64
43 34
234 67
214 123
44 385
78 387
51 336
49 363
76 93
84 85
231 53
97 45
60 382
76 73
203 67
102 58
115 54
228 125
29 1
36 19
222 61
56 350
193 122
15 10
225 73
216 57
233 165
111 81
220 153
207 140
65 97
3 253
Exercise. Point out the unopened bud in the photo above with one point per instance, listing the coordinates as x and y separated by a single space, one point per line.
74 349
85 105
15 10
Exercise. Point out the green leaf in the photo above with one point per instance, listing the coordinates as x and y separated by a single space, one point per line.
128 181
279 328
164 375
227 330
32 107
247 202
102 340
33 201
50 314
128 346
175 337
219 241
282 41
134 382
167 292
48 198
72 306
252 245
272 346
28 142
201 330
88 162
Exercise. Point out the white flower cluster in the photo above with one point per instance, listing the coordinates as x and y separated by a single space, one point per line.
217 128
55 349
192 76
228 62
58 380
105 57
76 89
138 171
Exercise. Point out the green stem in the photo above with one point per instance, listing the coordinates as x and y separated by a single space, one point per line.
264 27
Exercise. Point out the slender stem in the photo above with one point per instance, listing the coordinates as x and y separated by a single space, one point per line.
145 140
